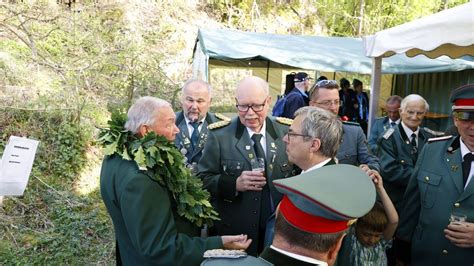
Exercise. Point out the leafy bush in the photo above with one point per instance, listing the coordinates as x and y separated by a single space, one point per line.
63 140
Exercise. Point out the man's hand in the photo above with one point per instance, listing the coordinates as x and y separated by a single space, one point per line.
236 242
250 180
460 234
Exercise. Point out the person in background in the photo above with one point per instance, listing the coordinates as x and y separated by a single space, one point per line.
245 199
347 98
400 146
381 124
194 119
353 149
438 208
372 234
148 228
362 105
297 97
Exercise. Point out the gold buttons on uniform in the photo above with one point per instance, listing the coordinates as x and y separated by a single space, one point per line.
427 178
445 252
457 205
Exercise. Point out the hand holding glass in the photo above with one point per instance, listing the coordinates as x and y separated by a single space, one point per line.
258 165
457 217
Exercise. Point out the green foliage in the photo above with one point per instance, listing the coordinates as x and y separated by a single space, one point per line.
164 163
63 140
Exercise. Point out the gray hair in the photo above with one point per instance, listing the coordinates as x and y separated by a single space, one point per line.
142 112
324 125
202 82
413 98
394 99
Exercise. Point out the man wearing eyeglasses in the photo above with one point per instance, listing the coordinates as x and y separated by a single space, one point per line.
245 198
313 138
194 119
438 208
353 149
400 146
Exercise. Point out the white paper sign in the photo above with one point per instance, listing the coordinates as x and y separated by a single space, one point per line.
16 164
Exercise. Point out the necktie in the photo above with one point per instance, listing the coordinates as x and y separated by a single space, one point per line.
393 124
414 148
257 146
466 166
195 135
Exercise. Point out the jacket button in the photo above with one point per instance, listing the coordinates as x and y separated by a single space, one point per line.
457 204
254 212
427 178
445 252
402 161
256 199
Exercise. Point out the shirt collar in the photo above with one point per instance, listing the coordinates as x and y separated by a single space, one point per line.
390 121
189 121
262 131
408 131
299 257
464 149
319 165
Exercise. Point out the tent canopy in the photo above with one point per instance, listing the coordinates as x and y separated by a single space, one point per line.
449 32
328 54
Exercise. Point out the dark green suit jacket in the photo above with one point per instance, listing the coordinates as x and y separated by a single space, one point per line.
434 192
279 259
183 139
147 228
228 152
397 161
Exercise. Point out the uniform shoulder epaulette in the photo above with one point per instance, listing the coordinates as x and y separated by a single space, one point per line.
434 132
388 133
222 117
440 138
284 120
350 123
218 124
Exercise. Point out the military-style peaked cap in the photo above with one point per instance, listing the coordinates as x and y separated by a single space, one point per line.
326 200
463 102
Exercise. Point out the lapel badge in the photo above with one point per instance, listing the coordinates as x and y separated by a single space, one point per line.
183 151
407 142
250 156
186 141
454 167
273 145
450 149
247 147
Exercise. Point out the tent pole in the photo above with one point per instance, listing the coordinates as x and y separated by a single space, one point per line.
268 70
375 83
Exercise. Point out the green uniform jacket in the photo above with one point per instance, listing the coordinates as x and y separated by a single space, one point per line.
379 126
435 190
147 228
228 152
397 161
183 139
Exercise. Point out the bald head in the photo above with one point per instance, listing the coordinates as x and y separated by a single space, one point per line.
253 100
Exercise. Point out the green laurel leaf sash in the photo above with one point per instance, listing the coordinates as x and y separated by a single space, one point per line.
164 163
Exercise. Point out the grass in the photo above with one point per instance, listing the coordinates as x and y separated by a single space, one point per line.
57 222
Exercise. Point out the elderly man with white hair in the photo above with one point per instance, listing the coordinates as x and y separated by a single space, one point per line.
400 146
153 225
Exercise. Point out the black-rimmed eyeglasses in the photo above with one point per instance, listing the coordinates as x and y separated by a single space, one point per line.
293 134
255 107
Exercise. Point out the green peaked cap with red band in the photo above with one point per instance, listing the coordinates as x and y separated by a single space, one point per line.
327 199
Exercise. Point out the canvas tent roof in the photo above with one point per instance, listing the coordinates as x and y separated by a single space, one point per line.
329 54
447 33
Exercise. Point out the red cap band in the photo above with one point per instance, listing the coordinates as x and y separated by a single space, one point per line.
464 102
308 222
